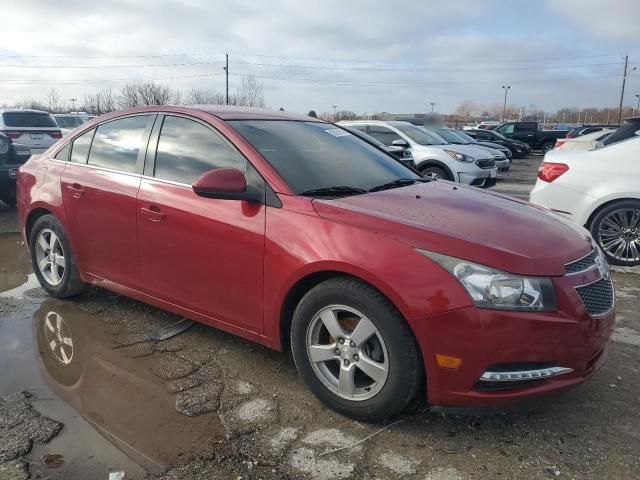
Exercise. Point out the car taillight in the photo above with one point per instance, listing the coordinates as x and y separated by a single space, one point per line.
559 143
55 134
13 134
549 171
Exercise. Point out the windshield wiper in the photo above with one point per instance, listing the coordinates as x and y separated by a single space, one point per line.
401 182
335 191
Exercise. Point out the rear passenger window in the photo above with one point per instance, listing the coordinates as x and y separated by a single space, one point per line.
116 144
80 147
63 155
187 149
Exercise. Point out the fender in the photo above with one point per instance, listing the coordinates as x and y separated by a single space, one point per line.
436 163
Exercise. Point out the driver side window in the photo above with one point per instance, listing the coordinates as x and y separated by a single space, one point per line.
383 134
506 129
187 149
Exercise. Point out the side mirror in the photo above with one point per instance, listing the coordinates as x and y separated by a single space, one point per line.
222 183
400 142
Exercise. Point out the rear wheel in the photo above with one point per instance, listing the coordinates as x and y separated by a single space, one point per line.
354 350
547 147
616 228
52 258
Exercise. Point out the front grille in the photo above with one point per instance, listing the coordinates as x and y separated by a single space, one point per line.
597 297
582 264
486 163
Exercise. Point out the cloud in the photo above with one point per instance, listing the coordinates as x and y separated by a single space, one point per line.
609 19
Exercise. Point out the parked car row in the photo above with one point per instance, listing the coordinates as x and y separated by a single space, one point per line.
598 188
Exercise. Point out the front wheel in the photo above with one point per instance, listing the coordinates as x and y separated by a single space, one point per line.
52 258
354 350
435 172
547 147
616 228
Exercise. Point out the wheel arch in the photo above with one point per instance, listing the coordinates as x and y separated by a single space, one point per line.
304 285
435 163
604 205
32 217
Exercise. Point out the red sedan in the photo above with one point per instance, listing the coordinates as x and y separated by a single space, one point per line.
293 233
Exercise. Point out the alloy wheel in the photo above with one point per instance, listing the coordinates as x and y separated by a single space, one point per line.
347 352
619 234
50 257
58 338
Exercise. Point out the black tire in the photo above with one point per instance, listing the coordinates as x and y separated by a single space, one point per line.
547 147
435 172
596 223
71 283
405 371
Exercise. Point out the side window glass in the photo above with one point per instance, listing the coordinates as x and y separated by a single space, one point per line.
80 147
383 134
506 129
63 155
116 144
187 149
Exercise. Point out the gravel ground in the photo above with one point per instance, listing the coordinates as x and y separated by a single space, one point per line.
206 405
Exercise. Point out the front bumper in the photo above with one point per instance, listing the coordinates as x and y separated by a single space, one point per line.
489 339
479 177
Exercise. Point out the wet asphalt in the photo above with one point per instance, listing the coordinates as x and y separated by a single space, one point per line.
206 405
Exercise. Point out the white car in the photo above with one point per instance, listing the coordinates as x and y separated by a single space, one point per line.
599 189
584 142
33 128
70 121
433 156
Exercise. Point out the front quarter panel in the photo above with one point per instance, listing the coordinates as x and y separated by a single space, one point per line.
300 243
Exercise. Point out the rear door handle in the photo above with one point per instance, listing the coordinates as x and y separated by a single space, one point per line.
153 213
76 190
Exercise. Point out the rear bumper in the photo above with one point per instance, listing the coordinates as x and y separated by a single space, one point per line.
485 338
8 180
565 202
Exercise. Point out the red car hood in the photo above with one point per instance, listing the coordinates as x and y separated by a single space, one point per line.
465 222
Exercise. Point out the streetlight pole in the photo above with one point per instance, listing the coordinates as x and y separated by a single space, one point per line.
73 104
624 81
504 107
226 71
433 104
334 112
638 104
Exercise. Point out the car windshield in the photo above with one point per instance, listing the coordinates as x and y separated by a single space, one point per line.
315 155
68 122
629 129
452 136
468 138
420 135
28 120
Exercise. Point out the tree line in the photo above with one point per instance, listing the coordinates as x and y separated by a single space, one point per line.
249 93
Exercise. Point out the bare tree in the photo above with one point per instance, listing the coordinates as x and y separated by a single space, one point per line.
52 101
345 115
100 102
205 97
144 93
249 94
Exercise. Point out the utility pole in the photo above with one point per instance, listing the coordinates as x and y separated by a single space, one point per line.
504 108
334 112
433 104
638 104
73 104
226 70
624 81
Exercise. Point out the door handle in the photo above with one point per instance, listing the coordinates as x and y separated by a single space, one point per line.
153 213
76 190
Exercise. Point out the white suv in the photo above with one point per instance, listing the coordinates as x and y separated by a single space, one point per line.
599 189
36 129
433 156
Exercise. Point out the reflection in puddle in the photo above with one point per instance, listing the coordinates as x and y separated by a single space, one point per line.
15 265
119 396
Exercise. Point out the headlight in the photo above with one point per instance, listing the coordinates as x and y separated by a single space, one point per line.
461 157
494 289
4 146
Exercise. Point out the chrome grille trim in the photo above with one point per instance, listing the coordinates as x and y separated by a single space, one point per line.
539 374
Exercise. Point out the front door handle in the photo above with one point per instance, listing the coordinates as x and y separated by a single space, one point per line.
76 190
153 213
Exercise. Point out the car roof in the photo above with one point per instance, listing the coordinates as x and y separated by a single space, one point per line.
230 112
21 110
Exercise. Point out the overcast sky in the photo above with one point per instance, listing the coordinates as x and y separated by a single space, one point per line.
396 56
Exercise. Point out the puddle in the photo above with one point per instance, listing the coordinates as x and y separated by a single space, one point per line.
117 414
15 265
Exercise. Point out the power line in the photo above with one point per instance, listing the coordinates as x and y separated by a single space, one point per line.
187 64
101 81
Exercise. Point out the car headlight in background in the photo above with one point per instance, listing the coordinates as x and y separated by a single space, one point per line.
494 289
461 157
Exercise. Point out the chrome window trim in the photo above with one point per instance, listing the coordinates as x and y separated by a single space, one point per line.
95 167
